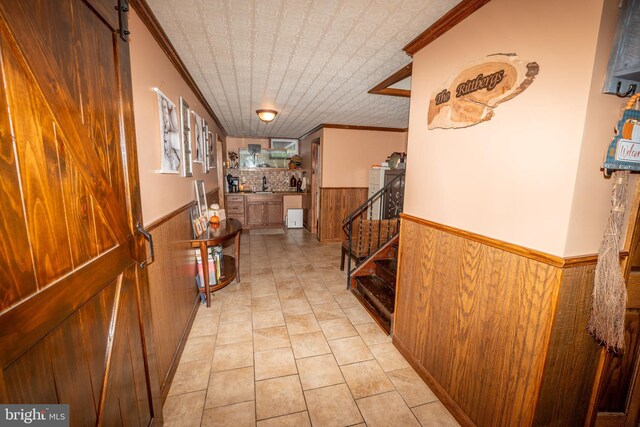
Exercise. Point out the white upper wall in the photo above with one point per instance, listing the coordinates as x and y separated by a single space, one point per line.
512 178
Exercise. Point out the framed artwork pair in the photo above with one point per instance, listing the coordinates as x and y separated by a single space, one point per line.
177 155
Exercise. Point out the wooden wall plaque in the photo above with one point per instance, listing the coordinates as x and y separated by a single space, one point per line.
470 96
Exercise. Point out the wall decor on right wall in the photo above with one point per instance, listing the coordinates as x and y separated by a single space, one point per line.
470 96
197 131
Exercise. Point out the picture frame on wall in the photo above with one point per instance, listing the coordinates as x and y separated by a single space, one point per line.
170 143
201 197
185 132
212 150
197 132
205 145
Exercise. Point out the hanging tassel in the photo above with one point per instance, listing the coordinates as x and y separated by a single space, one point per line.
609 290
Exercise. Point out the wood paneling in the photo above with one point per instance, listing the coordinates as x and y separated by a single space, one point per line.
573 354
457 14
502 334
336 203
174 296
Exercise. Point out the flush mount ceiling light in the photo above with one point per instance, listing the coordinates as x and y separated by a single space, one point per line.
266 115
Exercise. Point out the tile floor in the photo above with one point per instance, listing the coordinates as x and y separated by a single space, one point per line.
290 346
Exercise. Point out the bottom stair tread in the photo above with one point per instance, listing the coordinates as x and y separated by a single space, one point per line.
378 293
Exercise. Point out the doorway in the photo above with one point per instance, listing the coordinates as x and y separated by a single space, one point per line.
315 185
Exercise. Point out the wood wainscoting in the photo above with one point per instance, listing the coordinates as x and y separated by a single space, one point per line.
497 330
336 203
174 296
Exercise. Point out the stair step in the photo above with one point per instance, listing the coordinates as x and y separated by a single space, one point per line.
387 269
376 291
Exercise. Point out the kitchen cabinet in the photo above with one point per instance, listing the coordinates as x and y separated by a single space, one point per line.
235 208
264 210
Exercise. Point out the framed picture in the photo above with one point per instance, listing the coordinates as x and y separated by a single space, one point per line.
194 214
201 197
290 145
197 131
185 131
170 144
212 150
205 145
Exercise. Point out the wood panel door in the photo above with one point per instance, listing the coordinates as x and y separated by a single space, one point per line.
74 309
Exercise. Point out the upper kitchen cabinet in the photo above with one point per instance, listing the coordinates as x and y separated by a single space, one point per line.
623 70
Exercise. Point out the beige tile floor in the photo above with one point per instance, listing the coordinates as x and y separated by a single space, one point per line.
290 346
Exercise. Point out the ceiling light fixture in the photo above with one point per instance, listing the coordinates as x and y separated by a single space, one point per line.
266 115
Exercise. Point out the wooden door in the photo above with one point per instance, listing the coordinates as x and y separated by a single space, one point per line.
619 390
74 307
315 184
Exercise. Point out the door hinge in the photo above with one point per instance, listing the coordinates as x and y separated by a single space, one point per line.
123 8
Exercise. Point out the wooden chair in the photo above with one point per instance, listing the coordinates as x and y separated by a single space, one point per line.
368 236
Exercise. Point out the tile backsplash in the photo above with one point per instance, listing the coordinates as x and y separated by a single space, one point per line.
277 180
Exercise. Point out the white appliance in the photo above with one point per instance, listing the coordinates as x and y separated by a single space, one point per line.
294 218
376 182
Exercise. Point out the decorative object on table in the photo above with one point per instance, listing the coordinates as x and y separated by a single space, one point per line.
215 210
197 226
470 96
609 289
296 161
197 132
185 131
212 150
201 197
170 145
289 145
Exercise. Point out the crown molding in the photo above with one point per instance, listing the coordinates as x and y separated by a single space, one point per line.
351 127
383 88
449 20
149 19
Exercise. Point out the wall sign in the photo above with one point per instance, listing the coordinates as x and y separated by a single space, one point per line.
470 96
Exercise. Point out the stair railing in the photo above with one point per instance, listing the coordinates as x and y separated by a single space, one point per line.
373 223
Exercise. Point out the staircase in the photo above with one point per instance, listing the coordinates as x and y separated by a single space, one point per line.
371 247
375 285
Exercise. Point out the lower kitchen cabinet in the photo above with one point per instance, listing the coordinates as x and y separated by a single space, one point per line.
263 210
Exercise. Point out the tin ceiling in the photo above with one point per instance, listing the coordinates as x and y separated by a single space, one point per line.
311 60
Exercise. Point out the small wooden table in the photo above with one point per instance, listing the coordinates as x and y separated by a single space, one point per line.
213 236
